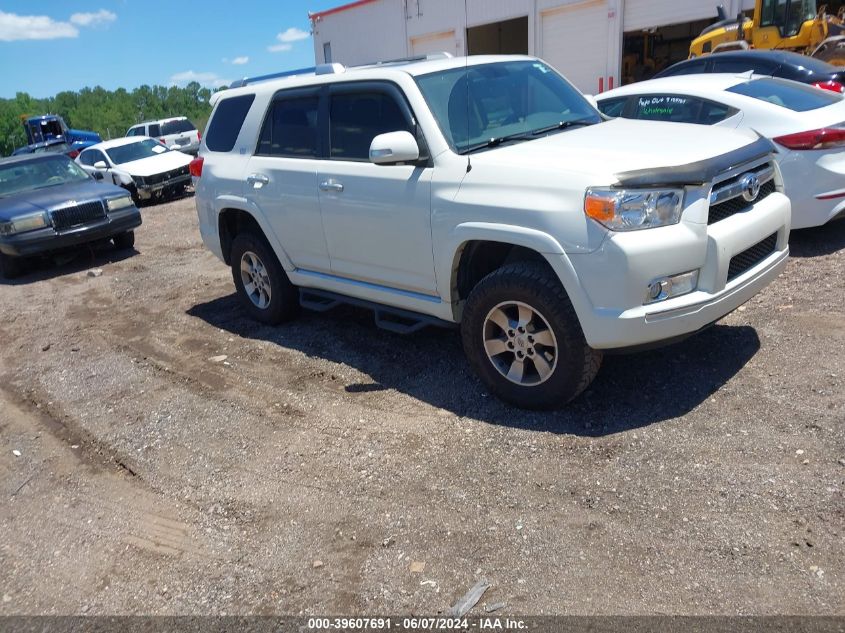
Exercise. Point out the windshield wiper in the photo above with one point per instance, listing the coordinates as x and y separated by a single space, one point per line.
562 125
496 141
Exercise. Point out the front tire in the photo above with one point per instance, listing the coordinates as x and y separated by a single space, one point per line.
261 283
523 339
124 241
10 267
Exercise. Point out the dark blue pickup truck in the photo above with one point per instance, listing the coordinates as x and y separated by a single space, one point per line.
46 129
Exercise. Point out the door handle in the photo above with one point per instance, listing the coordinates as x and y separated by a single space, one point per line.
257 180
331 185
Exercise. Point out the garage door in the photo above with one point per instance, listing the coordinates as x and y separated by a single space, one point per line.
434 43
574 40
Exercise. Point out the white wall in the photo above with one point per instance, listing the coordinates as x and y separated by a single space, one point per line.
643 14
388 29
366 33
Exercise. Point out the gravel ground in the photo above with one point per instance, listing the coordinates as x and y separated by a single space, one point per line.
328 467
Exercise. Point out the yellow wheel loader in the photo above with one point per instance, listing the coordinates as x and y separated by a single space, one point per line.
793 25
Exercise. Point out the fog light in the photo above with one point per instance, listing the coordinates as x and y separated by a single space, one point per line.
667 287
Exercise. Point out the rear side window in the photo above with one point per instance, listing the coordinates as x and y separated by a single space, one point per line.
290 128
177 127
612 107
680 109
357 118
155 129
741 65
690 68
787 94
225 125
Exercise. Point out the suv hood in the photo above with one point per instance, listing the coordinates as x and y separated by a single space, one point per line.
152 165
621 145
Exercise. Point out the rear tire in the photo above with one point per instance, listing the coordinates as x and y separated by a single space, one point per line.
261 283
124 241
523 339
10 267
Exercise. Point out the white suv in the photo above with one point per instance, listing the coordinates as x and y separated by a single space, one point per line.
175 133
486 192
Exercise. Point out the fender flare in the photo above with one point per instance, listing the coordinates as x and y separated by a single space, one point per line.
543 243
226 202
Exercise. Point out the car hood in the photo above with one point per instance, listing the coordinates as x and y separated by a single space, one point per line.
621 145
153 165
53 197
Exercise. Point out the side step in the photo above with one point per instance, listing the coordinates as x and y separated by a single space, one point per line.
394 320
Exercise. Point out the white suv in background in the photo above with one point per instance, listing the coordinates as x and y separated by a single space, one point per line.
486 192
175 133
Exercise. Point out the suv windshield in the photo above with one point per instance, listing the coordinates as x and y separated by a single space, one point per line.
26 175
135 151
787 94
486 104
177 127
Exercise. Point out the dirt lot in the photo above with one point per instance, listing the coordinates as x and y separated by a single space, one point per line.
307 471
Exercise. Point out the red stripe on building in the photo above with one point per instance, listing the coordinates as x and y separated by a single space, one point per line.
321 14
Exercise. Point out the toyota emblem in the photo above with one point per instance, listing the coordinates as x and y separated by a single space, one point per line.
750 187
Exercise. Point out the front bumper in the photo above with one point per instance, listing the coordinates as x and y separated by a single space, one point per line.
46 240
148 191
612 313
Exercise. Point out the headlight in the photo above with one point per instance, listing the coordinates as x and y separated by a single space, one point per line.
115 204
24 223
634 209
139 180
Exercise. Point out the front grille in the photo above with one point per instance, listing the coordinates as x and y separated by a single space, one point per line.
750 257
84 213
719 212
167 175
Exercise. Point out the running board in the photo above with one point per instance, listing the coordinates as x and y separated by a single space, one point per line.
394 320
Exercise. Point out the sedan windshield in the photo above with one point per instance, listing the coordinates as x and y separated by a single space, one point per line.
135 151
37 173
485 105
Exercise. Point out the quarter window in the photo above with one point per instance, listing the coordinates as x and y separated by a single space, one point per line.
357 118
290 129
226 123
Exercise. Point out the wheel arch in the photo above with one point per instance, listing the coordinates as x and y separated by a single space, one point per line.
480 248
233 219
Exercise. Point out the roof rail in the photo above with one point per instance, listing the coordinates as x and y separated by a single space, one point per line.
405 60
321 69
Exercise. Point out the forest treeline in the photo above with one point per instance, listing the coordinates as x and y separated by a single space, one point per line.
108 112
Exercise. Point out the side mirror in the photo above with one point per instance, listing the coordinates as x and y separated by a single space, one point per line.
394 147
100 164
98 175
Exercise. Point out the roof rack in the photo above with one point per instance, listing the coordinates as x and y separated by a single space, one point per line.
321 69
405 60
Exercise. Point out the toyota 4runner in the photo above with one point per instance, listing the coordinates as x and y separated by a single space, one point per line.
486 192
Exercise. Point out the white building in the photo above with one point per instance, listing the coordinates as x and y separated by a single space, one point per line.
595 43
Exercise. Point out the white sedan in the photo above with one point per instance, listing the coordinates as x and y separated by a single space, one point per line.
807 126
141 165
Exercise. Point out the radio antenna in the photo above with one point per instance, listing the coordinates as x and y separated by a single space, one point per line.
466 76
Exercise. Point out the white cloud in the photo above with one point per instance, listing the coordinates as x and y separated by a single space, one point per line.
278 48
293 34
205 79
240 61
100 18
33 27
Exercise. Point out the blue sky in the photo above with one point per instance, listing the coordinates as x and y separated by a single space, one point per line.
49 46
